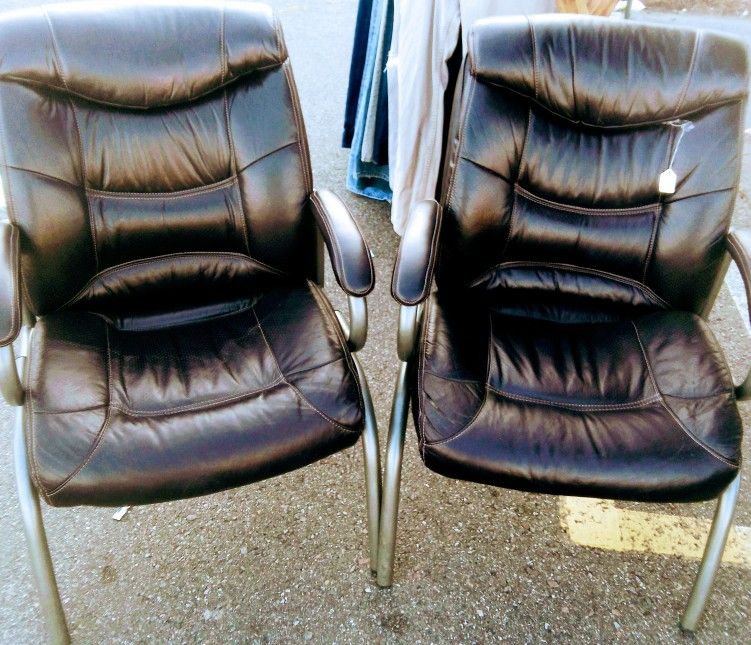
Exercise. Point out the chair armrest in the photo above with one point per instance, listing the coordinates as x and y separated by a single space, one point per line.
739 246
10 314
350 256
416 258
10 284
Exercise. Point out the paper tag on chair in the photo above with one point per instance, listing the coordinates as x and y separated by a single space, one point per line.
668 181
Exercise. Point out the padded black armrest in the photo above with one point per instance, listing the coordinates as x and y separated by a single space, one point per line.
10 284
350 255
415 261
739 246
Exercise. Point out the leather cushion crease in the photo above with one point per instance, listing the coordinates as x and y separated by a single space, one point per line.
564 351
162 205
118 417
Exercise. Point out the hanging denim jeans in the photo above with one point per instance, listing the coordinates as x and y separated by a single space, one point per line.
368 179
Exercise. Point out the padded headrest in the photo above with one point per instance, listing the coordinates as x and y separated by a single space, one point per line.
139 54
605 72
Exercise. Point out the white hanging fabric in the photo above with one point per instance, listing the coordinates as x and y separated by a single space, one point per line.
425 35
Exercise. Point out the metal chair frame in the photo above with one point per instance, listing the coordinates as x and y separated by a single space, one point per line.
408 333
12 376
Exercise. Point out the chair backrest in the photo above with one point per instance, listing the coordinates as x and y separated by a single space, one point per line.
550 193
154 153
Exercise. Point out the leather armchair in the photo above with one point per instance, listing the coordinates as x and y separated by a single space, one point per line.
166 245
578 245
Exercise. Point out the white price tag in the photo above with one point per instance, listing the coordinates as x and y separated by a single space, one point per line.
668 180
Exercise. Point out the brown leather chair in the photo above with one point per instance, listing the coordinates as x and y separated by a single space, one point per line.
165 244
565 350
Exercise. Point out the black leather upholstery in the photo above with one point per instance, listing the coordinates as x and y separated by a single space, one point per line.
157 172
178 411
418 252
350 257
563 351
10 284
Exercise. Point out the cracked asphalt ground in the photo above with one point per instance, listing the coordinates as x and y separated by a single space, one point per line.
285 560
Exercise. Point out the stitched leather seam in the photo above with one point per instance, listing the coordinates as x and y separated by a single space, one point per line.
476 415
301 136
293 387
324 306
421 360
15 311
650 249
197 407
533 38
128 106
90 408
222 48
427 278
523 157
102 430
699 398
583 407
495 173
735 98
711 451
240 171
233 165
278 36
572 48
29 430
59 71
678 200
691 67
462 136
337 256
188 254
645 290
584 210
164 196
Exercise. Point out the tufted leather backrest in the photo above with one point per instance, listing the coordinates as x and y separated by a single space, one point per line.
551 197
154 154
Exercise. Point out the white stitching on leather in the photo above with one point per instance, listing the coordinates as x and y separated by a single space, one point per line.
301 137
102 430
476 415
164 196
645 290
691 67
582 407
584 210
293 387
462 136
56 61
189 254
711 451
533 38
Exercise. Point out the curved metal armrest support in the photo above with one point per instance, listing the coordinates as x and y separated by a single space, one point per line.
356 330
10 379
350 255
409 328
739 247
418 251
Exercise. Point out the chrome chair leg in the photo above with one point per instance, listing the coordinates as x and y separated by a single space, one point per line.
392 478
718 535
41 563
372 460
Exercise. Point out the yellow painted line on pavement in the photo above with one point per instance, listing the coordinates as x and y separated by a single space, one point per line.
600 524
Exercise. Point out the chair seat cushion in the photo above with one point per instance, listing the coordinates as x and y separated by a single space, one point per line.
129 417
640 409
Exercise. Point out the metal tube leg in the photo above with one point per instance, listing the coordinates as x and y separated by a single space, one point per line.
392 478
718 535
372 467
41 563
